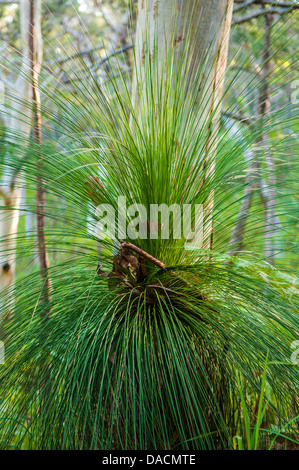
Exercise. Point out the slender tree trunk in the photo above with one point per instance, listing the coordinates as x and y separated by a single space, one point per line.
18 125
34 37
161 27
265 109
267 192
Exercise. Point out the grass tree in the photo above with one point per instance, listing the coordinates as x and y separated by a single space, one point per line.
165 28
149 339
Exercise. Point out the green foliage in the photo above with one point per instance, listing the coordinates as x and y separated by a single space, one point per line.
254 440
151 363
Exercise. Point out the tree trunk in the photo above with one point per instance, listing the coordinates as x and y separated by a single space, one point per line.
34 31
163 27
266 190
18 125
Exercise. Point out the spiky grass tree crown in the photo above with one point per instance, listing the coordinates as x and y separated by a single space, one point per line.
133 354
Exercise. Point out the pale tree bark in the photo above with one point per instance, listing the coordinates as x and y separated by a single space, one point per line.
163 27
18 125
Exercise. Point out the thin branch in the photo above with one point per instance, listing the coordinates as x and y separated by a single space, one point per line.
86 52
144 254
98 64
238 117
262 12
277 4
268 2
244 5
